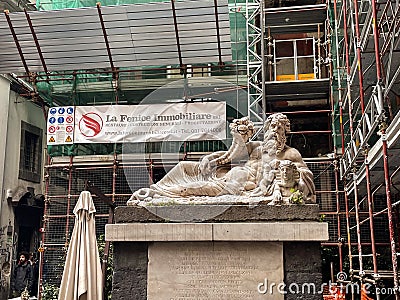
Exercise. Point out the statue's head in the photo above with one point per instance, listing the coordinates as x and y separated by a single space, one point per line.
277 120
289 175
275 129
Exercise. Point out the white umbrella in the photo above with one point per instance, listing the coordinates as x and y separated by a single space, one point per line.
82 277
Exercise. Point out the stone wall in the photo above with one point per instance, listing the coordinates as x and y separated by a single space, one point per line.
130 271
302 268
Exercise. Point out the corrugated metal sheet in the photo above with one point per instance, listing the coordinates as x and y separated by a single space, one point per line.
291 19
138 35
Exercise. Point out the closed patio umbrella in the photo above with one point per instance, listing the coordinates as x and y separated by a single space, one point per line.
82 277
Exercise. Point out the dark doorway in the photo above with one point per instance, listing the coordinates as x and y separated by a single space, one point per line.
29 214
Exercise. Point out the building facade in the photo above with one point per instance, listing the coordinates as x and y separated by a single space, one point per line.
22 154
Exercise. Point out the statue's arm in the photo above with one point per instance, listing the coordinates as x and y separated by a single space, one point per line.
295 156
213 155
208 162
237 151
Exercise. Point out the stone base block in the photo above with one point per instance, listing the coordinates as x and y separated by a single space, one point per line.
243 254
216 213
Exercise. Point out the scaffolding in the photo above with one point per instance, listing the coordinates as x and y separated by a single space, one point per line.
365 60
257 67
255 61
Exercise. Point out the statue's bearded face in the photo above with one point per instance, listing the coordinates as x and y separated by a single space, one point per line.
275 137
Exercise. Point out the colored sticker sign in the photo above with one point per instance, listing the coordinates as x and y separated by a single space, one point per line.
60 125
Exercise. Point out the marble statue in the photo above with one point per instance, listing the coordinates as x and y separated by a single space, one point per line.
268 169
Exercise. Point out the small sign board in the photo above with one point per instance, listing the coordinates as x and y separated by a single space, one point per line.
60 125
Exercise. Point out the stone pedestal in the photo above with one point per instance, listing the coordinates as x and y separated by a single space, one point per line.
245 253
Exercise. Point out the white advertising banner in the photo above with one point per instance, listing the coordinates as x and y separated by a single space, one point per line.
60 125
150 123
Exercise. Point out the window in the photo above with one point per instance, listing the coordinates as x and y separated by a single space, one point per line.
30 153
295 59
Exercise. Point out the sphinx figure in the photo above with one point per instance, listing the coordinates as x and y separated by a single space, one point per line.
248 168
286 186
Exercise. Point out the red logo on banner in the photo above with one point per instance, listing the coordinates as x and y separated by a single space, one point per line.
69 119
90 124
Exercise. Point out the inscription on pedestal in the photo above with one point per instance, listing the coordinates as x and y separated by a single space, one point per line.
219 270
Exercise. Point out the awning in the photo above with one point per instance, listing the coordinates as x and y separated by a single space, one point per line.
168 33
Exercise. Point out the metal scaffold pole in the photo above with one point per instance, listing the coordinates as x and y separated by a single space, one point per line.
338 215
69 195
336 26
346 202
42 249
359 59
390 210
370 214
263 64
382 128
348 77
356 206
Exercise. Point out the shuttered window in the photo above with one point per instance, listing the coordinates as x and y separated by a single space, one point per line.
30 153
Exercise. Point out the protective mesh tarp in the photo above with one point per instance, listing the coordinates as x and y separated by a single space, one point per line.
97 87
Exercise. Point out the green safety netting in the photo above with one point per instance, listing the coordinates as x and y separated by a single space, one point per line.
61 4
338 75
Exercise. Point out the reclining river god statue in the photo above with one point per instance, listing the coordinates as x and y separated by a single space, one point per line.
269 169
